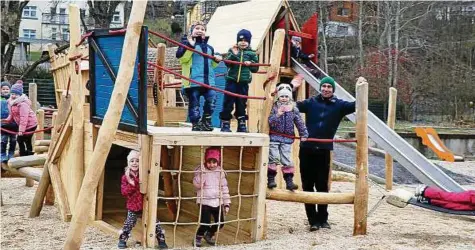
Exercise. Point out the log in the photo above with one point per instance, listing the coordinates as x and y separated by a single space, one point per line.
25 161
158 79
42 142
40 116
361 184
108 129
33 95
310 197
343 176
391 123
345 168
41 149
276 55
31 172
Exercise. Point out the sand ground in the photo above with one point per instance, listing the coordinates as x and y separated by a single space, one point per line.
388 227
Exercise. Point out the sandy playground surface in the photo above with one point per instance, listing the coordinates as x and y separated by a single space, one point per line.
388 227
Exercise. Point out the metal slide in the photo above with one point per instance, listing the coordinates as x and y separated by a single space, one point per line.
390 141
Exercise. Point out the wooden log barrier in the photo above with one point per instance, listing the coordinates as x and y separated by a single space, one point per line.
391 123
41 149
310 197
25 161
42 142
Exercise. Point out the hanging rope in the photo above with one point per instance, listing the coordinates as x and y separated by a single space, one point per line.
25 133
201 53
206 85
313 139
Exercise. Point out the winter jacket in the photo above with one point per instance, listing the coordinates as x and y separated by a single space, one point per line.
21 113
4 106
323 117
241 73
298 54
285 125
132 193
211 187
196 66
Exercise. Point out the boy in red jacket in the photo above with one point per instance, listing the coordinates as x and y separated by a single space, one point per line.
130 188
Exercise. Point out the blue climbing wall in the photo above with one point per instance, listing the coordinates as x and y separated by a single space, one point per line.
102 83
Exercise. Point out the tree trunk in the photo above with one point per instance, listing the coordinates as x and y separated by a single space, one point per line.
102 12
360 34
396 44
389 42
324 60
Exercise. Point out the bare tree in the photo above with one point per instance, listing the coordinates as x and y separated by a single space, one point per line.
102 12
11 18
360 34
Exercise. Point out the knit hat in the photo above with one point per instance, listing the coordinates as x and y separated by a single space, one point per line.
297 39
328 80
6 84
17 88
194 24
244 35
133 154
213 153
284 89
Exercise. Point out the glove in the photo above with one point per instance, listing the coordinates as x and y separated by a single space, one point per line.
226 209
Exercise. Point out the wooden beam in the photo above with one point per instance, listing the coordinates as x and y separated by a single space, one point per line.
144 163
152 194
42 142
300 34
161 51
361 184
33 95
49 196
60 191
40 149
40 116
273 70
167 181
27 161
108 129
30 172
391 123
260 186
310 197
76 170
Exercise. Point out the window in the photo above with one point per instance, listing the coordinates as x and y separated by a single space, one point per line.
341 31
343 12
27 33
65 34
116 17
54 33
62 15
29 12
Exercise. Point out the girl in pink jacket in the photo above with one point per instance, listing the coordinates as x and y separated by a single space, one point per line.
24 116
212 192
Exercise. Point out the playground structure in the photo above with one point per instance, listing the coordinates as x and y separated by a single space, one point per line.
94 128
431 139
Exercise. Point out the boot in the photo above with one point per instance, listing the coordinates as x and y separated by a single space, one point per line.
271 179
122 244
197 241
242 124
196 126
206 124
225 126
289 181
209 239
162 245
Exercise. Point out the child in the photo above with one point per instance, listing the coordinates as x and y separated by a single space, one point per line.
461 201
8 140
130 188
297 53
201 69
24 116
283 116
237 81
212 192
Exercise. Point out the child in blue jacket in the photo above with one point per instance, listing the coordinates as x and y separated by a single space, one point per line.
8 140
201 69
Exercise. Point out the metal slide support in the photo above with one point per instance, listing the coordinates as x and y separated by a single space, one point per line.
390 141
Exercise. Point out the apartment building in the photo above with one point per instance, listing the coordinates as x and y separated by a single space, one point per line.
45 22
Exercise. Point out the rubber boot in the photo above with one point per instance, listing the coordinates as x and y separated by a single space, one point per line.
289 181
225 126
196 126
209 239
206 124
122 244
271 179
197 241
242 124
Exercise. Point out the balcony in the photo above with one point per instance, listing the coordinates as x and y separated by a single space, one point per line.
62 19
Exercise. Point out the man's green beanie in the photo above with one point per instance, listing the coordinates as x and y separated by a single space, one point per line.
328 80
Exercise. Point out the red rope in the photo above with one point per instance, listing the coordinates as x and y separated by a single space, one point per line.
26 133
206 85
313 139
201 53
67 88
84 37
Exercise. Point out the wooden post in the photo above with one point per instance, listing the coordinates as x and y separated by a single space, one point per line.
391 123
152 194
33 95
158 79
40 116
361 183
275 57
49 199
260 186
77 95
108 129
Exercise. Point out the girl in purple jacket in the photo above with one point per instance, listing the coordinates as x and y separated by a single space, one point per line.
212 192
281 124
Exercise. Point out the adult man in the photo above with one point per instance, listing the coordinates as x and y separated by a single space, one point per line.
323 115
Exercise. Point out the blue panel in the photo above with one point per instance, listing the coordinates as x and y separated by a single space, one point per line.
111 47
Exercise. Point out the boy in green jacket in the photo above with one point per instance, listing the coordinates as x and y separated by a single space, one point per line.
237 81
